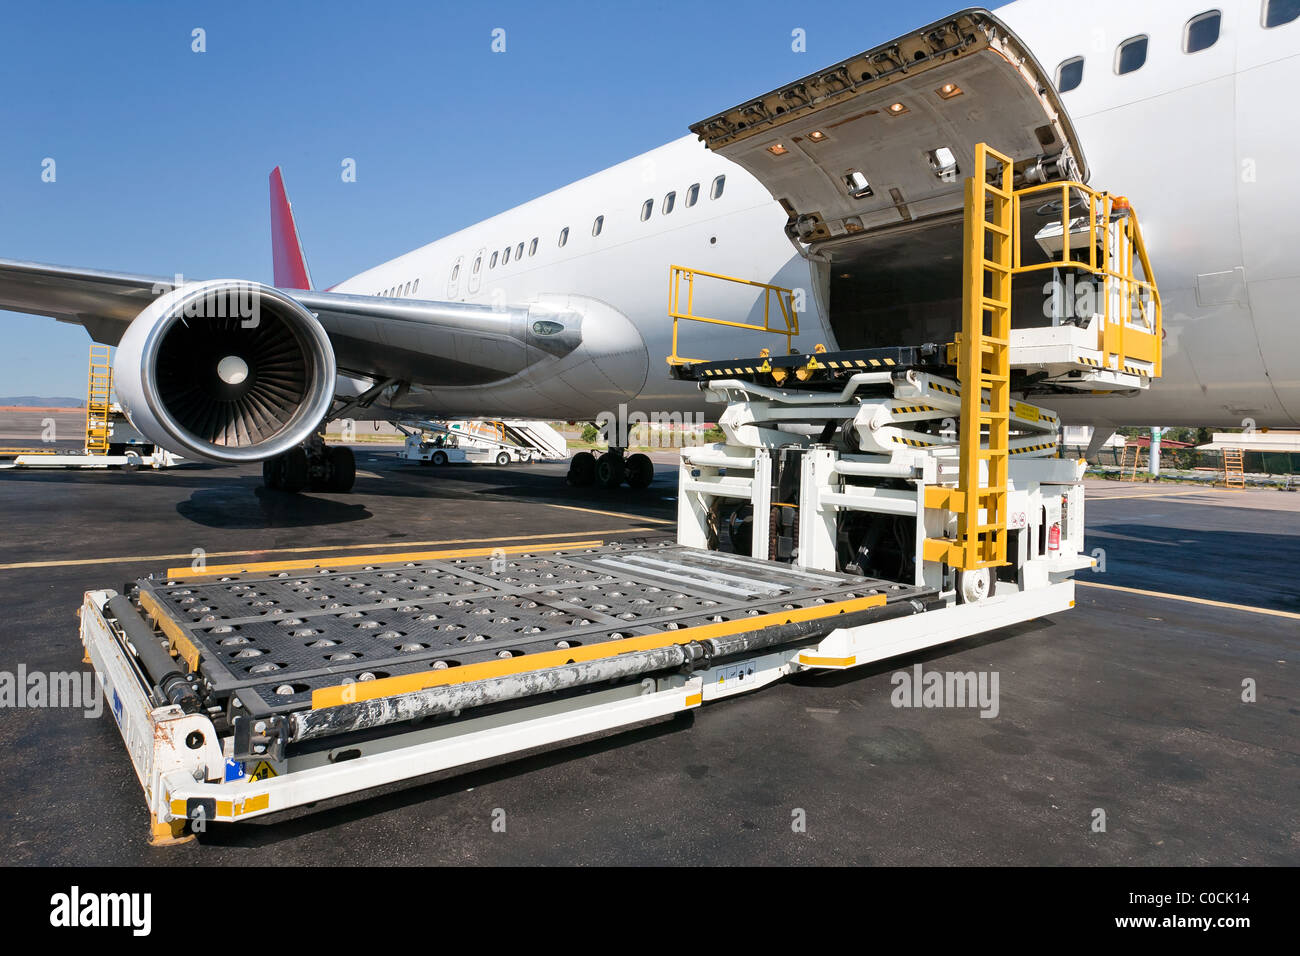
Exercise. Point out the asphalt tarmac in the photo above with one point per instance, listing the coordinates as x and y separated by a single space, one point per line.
1130 704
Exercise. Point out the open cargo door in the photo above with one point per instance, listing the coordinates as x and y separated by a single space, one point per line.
887 137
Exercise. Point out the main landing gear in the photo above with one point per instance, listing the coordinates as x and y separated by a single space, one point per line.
313 466
611 470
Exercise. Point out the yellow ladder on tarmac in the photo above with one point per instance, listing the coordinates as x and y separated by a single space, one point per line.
99 390
1234 468
983 363
1130 461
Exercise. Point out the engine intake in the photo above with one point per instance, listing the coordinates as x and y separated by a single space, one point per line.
225 370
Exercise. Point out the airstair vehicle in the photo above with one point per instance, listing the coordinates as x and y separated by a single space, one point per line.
488 442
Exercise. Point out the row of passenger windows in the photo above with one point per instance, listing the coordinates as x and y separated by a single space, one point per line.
406 288
692 197
503 256
1200 33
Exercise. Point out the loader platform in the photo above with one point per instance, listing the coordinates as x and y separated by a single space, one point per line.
271 638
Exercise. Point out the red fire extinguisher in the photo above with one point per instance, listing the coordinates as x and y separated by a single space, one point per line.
1054 537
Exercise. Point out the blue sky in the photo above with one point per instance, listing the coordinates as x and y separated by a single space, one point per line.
162 154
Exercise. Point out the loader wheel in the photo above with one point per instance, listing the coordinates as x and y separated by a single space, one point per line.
503 458
439 458
974 586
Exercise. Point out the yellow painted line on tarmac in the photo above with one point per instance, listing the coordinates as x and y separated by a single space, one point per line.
1290 615
135 558
611 514
1170 494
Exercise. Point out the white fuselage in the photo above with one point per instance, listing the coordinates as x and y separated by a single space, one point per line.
1199 142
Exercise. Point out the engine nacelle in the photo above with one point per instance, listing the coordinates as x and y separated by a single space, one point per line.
225 370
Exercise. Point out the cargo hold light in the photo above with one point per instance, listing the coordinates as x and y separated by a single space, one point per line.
949 90
897 109
816 136
776 149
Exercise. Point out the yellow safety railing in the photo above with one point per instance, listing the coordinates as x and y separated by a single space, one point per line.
679 309
1114 247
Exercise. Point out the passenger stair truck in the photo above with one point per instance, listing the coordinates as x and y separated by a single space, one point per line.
867 502
489 442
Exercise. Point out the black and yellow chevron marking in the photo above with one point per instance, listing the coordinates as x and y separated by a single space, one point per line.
913 442
1043 447
912 409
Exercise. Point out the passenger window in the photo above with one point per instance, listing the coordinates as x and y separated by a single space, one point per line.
478 262
455 271
505 256
718 185
1131 55
598 225
493 263
647 208
692 195
416 286
532 247
1278 12
564 236
1202 32
1069 74
669 201
519 251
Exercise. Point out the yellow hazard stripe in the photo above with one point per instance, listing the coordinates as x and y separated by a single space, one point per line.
409 683
227 809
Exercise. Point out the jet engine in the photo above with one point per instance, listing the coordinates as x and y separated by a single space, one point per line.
225 370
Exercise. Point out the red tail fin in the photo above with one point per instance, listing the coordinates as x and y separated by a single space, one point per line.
286 248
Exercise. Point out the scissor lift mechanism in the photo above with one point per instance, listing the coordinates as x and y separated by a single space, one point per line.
249 689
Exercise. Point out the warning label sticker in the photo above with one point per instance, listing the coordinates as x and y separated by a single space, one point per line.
263 771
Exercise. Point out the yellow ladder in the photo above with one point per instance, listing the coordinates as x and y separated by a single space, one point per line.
99 390
983 363
1132 463
1234 468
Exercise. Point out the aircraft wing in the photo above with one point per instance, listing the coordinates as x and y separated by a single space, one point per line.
451 343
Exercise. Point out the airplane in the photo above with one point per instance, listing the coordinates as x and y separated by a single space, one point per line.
841 185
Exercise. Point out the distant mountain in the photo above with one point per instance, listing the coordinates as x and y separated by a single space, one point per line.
39 401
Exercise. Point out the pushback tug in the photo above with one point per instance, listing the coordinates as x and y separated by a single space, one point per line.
863 504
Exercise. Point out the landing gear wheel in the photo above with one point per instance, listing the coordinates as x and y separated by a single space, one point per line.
609 470
343 469
582 469
439 458
640 471
974 586
294 473
503 458
272 473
